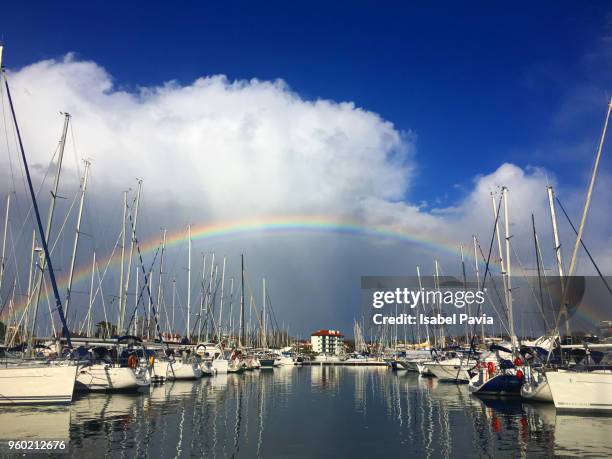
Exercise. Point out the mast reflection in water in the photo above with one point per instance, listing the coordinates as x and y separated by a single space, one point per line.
311 411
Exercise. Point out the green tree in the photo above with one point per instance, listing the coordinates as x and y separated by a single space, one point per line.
105 329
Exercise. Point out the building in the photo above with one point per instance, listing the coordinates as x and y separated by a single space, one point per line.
327 342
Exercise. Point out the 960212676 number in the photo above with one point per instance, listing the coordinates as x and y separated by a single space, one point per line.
36 445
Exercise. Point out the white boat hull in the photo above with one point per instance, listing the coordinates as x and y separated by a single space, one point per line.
537 391
176 370
581 391
37 384
106 378
220 366
449 372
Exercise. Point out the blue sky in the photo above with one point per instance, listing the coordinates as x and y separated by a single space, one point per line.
478 84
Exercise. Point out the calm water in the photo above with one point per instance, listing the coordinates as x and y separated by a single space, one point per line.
306 412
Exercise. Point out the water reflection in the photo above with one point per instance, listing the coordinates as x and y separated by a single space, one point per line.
353 411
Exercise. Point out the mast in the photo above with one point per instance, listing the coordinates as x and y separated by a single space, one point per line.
129 266
499 244
161 277
467 333
241 339
119 324
423 305
76 236
557 248
222 298
508 267
43 239
265 339
478 278
537 254
442 335
47 233
6 219
173 303
553 218
188 280
231 306
209 298
585 212
91 287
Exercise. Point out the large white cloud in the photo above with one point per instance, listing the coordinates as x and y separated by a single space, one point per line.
216 147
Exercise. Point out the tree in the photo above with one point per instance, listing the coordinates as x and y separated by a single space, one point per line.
105 329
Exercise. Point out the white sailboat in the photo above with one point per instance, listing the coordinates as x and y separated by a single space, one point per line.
588 389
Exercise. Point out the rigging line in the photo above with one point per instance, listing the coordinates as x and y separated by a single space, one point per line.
531 286
31 207
14 253
67 216
49 306
97 269
585 248
8 148
146 281
140 295
536 242
74 151
544 269
496 289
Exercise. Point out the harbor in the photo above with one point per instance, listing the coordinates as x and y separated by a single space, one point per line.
288 410
200 260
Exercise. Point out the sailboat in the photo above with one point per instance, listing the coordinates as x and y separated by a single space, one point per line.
586 387
501 376
35 382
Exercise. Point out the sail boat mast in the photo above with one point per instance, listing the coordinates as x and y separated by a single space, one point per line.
188 279
6 220
76 236
508 267
42 267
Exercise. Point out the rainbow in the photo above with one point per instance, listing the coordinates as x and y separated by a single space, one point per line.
278 224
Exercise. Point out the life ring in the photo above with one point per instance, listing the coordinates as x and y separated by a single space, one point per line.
132 361
490 368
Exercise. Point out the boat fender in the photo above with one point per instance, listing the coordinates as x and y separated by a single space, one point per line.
490 368
518 362
519 374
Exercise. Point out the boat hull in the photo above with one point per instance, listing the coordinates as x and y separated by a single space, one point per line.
581 391
177 370
502 384
220 366
37 384
106 378
537 392
455 373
